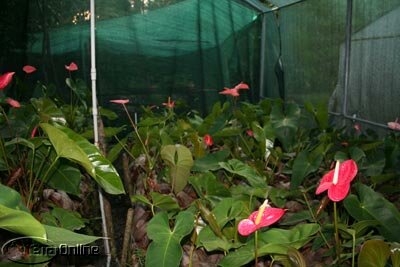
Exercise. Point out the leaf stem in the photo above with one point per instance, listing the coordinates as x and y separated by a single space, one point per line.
337 240
315 219
140 139
256 248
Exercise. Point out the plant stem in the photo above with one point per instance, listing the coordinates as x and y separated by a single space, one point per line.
38 173
140 139
3 151
353 251
44 178
337 240
256 248
315 219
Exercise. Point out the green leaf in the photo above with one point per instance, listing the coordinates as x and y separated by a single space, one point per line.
65 178
304 164
48 111
20 222
68 219
59 236
296 237
210 162
395 254
370 205
140 198
164 202
207 186
237 167
179 159
165 250
108 132
374 253
109 114
211 242
245 254
71 145
11 198
296 258
21 141
113 153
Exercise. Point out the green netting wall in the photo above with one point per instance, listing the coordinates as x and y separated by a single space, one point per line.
188 50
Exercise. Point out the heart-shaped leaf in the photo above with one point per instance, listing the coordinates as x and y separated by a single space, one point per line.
180 161
374 253
370 205
237 167
165 250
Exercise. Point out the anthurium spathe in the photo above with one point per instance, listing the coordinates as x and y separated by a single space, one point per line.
5 79
208 140
337 181
12 102
120 101
29 69
231 92
394 125
169 104
242 85
265 216
71 67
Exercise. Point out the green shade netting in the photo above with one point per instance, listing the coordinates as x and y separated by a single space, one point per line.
171 31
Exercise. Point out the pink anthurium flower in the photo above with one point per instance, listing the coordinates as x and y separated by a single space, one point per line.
169 104
242 85
33 133
71 67
394 125
13 103
29 69
227 91
120 101
265 216
208 140
337 181
357 127
250 133
5 79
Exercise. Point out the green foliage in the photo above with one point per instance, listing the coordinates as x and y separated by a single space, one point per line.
165 250
180 161
370 205
71 145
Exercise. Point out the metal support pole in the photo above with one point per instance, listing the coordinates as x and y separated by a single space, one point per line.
347 54
95 123
262 56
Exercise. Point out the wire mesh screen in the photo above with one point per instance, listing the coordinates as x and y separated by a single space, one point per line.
374 83
149 50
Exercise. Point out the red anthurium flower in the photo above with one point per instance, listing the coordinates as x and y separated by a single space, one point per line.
232 92
265 216
120 101
242 85
357 127
71 67
29 69
208 140
33 133
169 104
250 133
337 181
394 125
13 103
5 79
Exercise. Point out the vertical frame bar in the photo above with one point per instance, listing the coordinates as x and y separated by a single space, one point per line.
347 54
262 54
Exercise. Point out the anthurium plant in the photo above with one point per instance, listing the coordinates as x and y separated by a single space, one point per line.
244 154
248 184
45 162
